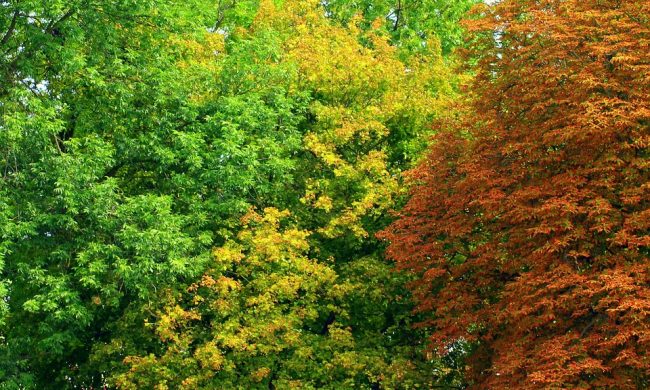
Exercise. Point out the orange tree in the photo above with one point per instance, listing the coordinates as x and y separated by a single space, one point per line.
529 224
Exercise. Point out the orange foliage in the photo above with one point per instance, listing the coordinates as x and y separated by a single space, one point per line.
529 226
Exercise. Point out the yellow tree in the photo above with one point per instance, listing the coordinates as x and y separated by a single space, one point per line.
292 300
370 114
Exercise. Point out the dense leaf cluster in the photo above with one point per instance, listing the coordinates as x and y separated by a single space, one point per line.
135 135
530 226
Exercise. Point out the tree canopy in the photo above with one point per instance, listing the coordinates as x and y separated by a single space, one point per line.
212 194
528 227
136 135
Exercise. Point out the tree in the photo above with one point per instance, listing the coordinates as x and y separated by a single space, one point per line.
135 135
106 132
312 304
528 225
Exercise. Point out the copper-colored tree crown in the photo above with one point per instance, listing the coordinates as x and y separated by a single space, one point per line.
529 224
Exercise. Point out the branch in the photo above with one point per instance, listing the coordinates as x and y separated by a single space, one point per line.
590 324
398 12
12 27
222 8
50 27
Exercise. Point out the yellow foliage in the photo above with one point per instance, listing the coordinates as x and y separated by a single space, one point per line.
228 253
209 356
173 319
200 59
261 373
363 91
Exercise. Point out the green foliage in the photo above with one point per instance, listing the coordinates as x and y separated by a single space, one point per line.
133 137
265 313
410 23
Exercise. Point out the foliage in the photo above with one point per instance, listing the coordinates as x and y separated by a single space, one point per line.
190 194
111 185
134 135
293 319
410 23
371 113
528 228
264 315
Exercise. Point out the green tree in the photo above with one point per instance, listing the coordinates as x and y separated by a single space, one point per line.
306 302
134 137
116 169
